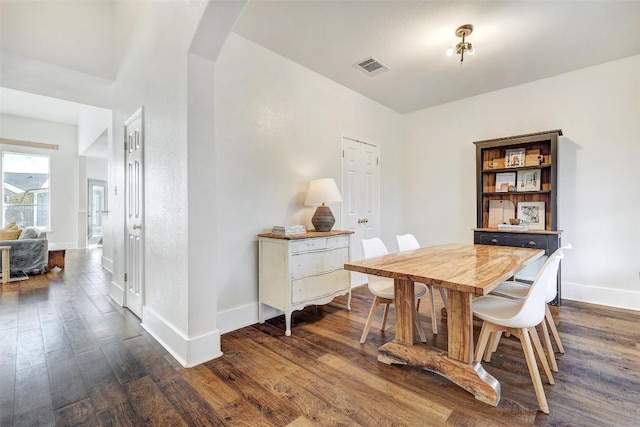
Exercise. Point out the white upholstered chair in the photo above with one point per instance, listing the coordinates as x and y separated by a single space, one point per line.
519 317
408 242
519 290
382 289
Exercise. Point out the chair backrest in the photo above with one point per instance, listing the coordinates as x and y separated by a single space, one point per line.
533 307
373 247
407 242
552 288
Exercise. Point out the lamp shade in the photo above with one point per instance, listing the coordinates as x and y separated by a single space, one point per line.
323 191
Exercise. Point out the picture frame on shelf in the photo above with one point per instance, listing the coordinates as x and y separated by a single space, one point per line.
514 158
533 214
529 180
504 180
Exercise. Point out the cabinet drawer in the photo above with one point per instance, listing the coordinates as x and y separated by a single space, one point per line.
318 244
314 263
316 287
516 240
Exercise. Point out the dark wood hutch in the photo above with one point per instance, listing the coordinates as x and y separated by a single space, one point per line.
516 178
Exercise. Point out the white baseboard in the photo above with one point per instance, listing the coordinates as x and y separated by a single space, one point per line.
116 292
240 317
107 264
601 296
187 351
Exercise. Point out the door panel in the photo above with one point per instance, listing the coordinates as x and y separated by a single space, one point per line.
134 185
361 194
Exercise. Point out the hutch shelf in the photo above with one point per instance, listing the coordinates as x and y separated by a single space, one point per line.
517 181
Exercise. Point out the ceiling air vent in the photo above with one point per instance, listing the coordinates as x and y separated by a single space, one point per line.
371 66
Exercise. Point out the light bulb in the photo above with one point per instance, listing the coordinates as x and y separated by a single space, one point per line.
471 51
450 51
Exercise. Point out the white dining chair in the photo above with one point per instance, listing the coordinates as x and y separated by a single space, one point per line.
519 290
519 317
408 242
382 289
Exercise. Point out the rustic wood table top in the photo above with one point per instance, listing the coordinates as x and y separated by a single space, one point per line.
475 269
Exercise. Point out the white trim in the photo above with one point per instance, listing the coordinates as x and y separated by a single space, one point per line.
602 296
107 264
187 351
246 315
116 292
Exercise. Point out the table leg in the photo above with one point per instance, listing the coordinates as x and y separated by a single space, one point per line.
456 364
405 302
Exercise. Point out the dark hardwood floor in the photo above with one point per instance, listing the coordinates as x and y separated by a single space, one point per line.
69 356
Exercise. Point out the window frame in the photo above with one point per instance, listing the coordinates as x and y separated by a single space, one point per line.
35 206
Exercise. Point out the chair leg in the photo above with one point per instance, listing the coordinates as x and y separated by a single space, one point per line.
554 331
533 369
493 345
376 302
535 340
387 304
434 317
423 337
547 346
443 294
485 333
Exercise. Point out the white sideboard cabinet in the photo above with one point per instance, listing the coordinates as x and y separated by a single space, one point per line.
300 270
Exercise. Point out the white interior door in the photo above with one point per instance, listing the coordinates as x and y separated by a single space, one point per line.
361 195
134 205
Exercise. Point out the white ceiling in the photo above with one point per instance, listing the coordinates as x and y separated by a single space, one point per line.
34 106
516 42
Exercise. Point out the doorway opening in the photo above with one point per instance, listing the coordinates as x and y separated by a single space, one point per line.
97 199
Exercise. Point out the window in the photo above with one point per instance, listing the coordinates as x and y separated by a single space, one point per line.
25 190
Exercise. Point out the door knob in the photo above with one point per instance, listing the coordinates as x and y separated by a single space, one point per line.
137 226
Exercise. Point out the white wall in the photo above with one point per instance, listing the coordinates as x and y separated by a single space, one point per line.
64 169
598 109
153 42
97 168
278 126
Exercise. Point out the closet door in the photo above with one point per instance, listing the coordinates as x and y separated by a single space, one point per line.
361 195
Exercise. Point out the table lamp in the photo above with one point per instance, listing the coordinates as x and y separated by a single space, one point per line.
323 191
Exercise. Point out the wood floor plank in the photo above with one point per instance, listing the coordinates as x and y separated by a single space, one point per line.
192 407
7 383
121 415
80 336
154 363
54 335
213 389
39 417
32 390
30 348
125 365
151 404
101 382
65 380
78 414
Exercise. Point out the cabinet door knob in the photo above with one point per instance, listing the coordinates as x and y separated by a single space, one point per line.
531 243
494 241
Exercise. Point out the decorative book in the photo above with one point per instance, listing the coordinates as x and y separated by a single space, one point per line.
288 230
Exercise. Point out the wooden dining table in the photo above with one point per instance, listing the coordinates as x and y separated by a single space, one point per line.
466 271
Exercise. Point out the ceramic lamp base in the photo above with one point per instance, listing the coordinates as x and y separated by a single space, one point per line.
323 219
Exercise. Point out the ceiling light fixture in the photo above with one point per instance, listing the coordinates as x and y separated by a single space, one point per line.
462 31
